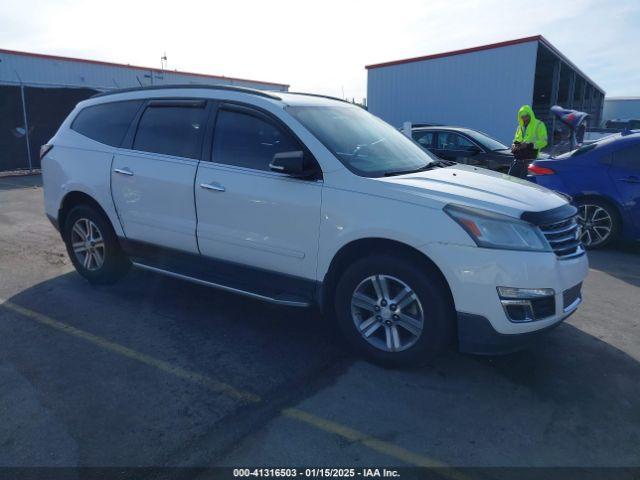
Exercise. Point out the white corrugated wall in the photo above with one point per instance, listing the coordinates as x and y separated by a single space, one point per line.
621 108
41 71
481 90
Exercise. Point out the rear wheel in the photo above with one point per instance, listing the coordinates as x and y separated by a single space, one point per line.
395 312
599 221
93 246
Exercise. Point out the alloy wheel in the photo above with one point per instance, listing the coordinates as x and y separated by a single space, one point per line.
596 223
387 313
88 244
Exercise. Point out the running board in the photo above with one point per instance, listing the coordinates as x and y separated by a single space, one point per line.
289 302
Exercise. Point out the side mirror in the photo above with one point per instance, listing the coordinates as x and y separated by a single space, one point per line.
291 163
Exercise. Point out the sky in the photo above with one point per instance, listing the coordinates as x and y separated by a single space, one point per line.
322 46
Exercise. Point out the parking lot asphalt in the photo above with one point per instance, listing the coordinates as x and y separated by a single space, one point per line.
153 371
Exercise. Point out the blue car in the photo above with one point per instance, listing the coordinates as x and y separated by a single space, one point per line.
603 178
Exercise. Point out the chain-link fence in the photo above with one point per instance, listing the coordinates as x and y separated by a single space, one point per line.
29 116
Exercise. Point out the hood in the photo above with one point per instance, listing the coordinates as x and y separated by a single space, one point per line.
473 187
526 110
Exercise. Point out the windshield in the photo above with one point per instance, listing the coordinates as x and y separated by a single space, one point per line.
362 142
486 141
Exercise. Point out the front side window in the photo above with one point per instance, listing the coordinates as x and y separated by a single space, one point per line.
107 122
171 130
362 142
453 141
488 142
249 141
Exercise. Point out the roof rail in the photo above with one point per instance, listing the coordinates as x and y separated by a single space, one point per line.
319 96
231 88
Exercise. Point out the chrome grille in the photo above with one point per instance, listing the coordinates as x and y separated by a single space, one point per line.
564 237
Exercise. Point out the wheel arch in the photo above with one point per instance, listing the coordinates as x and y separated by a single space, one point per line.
73 199
600 197
363 247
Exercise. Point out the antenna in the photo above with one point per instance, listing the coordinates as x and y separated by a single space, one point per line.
163 61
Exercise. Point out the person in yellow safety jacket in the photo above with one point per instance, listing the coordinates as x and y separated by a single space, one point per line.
530 138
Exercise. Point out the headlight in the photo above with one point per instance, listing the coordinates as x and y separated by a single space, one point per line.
492 230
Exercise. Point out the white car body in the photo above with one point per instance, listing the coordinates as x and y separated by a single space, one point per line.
295 227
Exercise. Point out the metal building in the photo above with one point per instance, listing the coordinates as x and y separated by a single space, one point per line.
38 91
482 87
621 108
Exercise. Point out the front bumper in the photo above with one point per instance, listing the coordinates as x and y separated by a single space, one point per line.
474 273
477 336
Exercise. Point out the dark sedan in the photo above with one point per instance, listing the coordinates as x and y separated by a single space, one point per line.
464 145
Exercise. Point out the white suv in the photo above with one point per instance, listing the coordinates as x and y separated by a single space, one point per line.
304 200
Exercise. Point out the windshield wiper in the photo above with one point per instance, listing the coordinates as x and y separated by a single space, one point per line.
429 166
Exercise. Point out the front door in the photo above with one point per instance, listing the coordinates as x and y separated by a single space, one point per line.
455 147
248 214
152 182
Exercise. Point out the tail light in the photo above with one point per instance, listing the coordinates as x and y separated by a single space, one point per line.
44 149
538 170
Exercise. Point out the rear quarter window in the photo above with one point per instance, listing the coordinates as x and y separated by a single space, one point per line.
106 123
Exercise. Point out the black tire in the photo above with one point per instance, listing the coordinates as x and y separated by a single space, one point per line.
115 262
587 206
432 293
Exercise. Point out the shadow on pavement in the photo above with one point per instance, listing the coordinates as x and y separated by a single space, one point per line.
570 399
617 262
123 412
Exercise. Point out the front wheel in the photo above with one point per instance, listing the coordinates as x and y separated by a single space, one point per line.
599 221
93 246
394 311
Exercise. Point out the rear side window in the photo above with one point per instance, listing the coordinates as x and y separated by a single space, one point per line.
172 130
627 158
106 123
248 141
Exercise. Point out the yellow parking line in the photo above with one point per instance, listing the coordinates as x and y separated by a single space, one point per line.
216 386
352 435
319 423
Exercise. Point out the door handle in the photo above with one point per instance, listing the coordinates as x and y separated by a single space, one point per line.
631 179
213 186
123 171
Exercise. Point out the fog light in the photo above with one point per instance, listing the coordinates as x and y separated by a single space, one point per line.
527 304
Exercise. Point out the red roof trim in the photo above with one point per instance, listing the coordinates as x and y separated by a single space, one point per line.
491 46
112 64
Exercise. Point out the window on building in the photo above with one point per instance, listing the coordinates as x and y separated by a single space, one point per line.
106 123
172 130
245 140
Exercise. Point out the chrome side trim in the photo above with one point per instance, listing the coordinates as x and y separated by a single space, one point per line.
257 296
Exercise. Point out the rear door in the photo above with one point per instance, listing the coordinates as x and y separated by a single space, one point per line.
458 148
152 180
625 174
